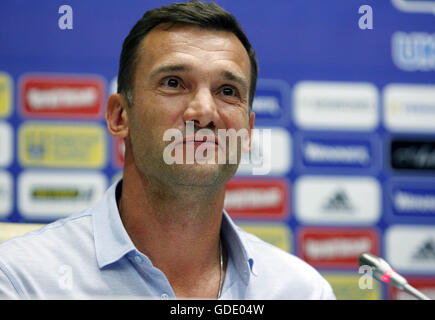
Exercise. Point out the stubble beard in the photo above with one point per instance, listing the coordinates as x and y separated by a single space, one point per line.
152 166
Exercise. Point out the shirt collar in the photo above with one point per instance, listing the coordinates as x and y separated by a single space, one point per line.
112 241
239 249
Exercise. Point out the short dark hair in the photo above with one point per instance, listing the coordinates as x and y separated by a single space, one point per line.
197 13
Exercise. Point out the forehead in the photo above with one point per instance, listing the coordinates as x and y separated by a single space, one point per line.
198 47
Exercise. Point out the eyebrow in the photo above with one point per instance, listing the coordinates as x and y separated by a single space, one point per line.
233 77
169 68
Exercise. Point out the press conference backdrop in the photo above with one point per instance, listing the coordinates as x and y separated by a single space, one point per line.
346 87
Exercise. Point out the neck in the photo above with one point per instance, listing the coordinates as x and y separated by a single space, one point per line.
177 228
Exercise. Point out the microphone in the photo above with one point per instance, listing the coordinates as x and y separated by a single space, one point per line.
384 273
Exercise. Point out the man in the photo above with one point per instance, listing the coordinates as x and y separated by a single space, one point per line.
162 232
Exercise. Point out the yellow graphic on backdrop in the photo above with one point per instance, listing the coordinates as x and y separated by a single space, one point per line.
348 287
6 94
62 146
276 234
10 230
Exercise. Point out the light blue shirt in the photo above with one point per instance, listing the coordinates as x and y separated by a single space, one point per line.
90 256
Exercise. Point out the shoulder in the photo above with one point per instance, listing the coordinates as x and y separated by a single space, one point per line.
40 254
51 236
287 274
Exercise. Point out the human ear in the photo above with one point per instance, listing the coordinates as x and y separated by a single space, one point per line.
116 116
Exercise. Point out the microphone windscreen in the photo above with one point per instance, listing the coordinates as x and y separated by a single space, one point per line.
367 259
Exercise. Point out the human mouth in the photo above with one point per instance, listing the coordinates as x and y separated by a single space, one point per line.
200 140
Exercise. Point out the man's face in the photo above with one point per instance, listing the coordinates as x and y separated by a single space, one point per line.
184 74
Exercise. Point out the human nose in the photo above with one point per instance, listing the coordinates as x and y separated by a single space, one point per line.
202 109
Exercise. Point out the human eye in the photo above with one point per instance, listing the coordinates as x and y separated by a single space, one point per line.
171 82
229 91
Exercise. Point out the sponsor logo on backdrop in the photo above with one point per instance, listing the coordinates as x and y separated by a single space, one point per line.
6 144
346 287
409 107
277 234
413 51
415 6
411 248
336 248
51 195
426 285
412 155
336 105
266 105
334 152
271 153
337 200
62 145
426 251
6 193
257 198
272 102
413 201
6 94
61 96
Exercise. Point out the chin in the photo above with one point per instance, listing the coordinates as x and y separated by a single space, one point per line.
203 175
